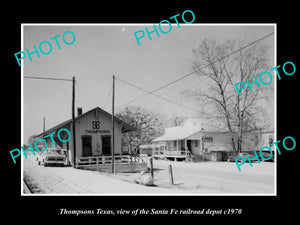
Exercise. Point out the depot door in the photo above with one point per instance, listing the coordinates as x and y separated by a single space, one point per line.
106 149
86 146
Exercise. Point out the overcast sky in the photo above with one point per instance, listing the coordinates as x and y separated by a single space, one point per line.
105 50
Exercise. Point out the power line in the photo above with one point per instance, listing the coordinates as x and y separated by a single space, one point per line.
109 93
86 99
189 74
195 85
48 78
166 99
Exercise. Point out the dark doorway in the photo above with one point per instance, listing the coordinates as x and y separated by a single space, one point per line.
189 144
106 149
86 146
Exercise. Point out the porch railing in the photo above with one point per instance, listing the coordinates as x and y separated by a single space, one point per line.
61 150
169 152
189 156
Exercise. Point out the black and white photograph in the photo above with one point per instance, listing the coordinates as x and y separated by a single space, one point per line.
142 112
182 125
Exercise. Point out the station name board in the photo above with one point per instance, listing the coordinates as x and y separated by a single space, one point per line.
98 131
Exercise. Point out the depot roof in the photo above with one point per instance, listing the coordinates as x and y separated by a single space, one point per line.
125 127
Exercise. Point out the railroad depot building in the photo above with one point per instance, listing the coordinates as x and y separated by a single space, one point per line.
200 139
93 135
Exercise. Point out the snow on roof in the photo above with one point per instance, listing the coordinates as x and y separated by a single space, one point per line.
190 127
125 128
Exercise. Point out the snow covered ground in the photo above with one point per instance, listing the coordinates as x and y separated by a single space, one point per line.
219 177
67 180
189 178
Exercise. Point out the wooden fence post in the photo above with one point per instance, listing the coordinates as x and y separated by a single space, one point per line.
171 174
151 167
97 161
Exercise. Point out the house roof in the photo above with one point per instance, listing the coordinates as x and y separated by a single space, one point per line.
190 127
125 127
177 133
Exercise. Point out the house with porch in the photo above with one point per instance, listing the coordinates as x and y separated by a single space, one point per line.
199 140
178 142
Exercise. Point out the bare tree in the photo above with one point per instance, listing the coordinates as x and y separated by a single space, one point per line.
149 124
177 120
238 113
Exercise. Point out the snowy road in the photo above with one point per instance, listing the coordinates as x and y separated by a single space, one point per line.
189 178
219 177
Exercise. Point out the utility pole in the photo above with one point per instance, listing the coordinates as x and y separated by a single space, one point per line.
73 109
73 122
113 127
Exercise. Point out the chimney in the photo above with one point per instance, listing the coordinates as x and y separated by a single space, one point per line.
79 111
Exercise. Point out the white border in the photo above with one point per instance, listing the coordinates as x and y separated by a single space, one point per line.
151 24
22 108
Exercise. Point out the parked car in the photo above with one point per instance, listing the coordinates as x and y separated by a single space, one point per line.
53 157
231 158
267 155
250 155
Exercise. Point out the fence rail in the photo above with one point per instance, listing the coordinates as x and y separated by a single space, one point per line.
105 160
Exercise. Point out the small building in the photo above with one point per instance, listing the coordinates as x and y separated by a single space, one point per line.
146 149
179 142
92 139
200 139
